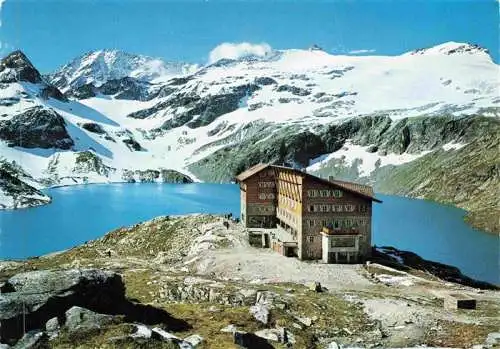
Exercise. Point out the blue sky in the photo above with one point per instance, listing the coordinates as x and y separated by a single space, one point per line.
53 32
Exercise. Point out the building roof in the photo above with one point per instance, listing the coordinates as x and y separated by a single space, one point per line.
251 171
366 189
355 188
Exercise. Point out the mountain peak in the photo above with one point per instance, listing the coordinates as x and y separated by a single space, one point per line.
17 67
451 48
98 67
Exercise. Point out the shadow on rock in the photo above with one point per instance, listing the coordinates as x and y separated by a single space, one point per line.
251 341
29 300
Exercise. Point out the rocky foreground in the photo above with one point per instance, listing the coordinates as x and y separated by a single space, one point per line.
190 282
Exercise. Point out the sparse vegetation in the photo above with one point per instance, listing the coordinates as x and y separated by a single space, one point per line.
150 257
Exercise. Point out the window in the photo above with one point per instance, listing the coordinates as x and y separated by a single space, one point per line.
349 208
338 208
270 196
266 184
311 208
343 242
262 196
311 238
337 193
336 224
311 222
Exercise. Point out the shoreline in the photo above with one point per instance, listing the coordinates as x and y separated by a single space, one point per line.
389 256
468 216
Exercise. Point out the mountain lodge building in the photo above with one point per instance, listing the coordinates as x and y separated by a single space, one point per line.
298 214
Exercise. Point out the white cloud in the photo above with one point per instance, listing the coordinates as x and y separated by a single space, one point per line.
357 52
238 50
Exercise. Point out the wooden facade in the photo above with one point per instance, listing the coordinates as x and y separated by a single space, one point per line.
318 217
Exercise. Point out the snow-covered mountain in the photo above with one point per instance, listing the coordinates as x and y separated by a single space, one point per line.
125 117
98 67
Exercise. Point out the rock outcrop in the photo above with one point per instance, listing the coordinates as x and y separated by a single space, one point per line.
80 300
150 176
37 127
16 192
16 67
36 297
87 162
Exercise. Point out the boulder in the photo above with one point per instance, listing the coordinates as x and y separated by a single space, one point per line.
229 328
32 340
83 320
52 327
493 339
260 312
304 320
142 331
248 293
38 296
161 334
333 345
270 334
194 340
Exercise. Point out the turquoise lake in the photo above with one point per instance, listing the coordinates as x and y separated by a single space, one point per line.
81 213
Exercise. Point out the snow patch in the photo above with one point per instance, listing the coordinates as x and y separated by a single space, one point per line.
453 146
395 280
366 162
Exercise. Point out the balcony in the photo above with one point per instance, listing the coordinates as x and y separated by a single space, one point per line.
340 231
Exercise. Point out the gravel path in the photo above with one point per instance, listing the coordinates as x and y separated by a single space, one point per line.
264 265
